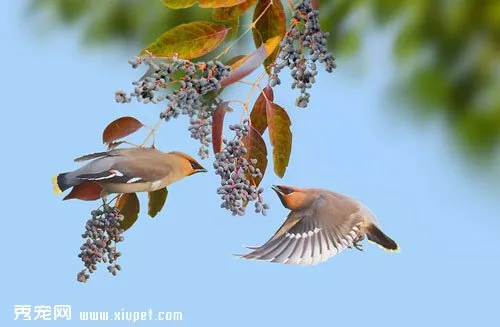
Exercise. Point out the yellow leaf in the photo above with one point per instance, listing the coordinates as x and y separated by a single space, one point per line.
156 202
128 205
280 136
181 4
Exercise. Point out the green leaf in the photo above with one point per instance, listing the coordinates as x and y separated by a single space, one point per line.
180 4
230 13
280 135
128 204
349 43
188 41
234 24
408 41
272 23
258 116
156 201
256 149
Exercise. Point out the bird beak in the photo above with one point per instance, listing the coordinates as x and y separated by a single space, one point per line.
277 189
201 170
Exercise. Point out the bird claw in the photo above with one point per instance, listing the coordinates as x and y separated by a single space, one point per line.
358 246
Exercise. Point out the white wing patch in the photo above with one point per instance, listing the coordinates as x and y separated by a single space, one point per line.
102 178
113 173
304 235
116 172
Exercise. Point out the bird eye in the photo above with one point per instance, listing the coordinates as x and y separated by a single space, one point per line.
195 165
286 191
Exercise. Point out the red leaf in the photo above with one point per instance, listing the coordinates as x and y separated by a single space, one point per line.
269 93
272 23
120 128
89 191
234 12
256 147
258 116
217 125
251 62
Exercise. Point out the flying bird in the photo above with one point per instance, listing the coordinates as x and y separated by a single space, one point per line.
320 225
129 170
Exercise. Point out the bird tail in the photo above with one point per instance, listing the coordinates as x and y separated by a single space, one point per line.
374 234
61 183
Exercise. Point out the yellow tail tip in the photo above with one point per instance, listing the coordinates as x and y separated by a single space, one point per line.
396 250
55 187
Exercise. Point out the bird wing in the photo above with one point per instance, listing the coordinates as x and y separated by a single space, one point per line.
149 168
91 156
110 153
127 166
110 176
312 235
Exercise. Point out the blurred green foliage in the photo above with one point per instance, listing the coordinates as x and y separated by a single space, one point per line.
133 22
448 49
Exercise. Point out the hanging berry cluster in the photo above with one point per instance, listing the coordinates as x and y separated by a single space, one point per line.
303 46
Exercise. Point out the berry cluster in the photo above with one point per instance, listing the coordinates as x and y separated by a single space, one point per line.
303 45
187 87
200 128
232 167
102 232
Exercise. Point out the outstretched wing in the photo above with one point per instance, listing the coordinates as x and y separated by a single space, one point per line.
311 236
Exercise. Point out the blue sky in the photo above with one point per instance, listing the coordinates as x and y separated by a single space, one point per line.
57 98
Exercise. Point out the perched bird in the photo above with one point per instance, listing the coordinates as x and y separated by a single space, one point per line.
129 170
321 224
